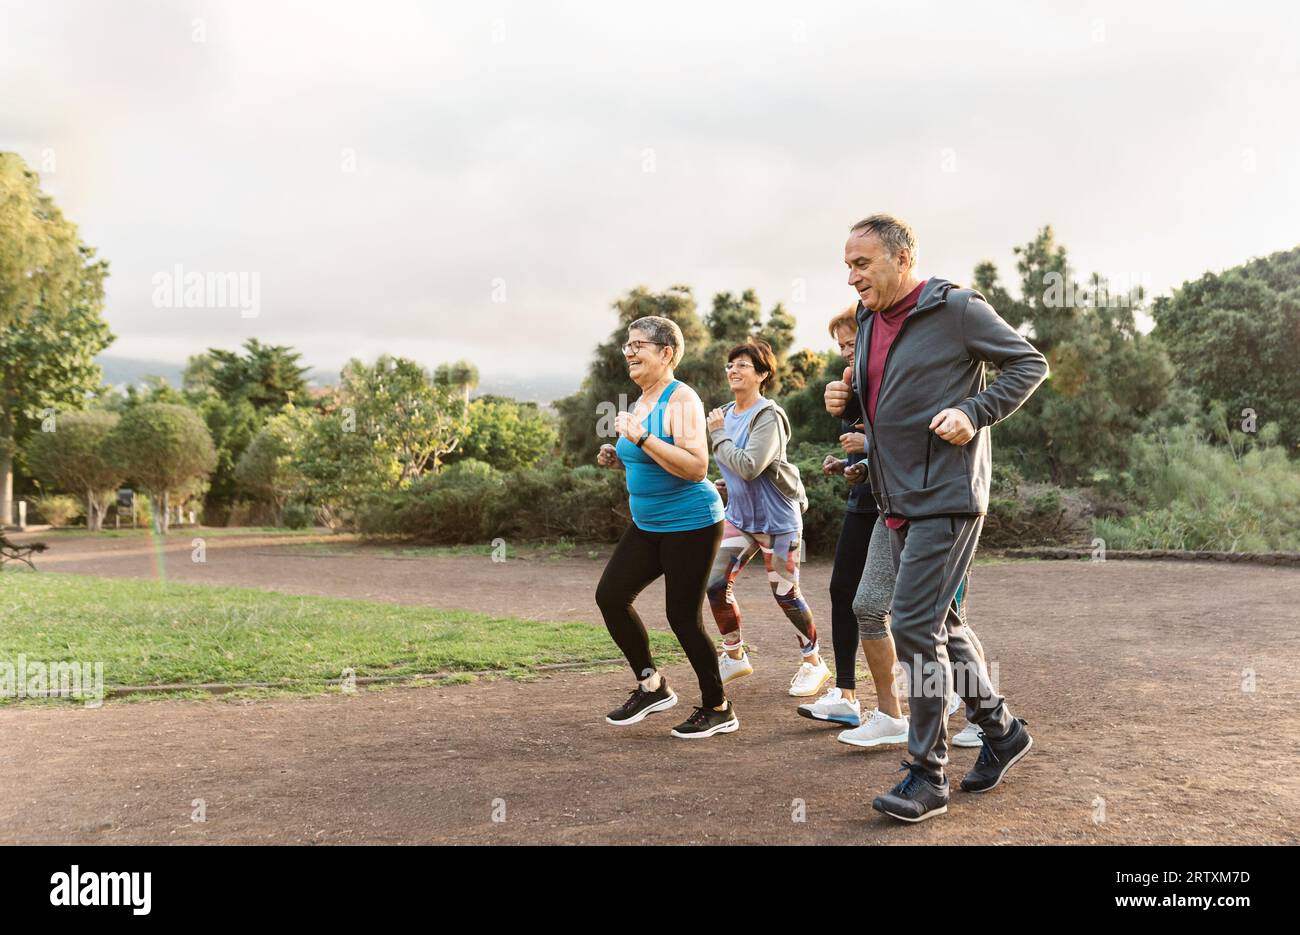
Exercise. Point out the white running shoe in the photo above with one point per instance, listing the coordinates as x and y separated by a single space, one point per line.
833 707
955 704
970 737
732 669
809 680
876 730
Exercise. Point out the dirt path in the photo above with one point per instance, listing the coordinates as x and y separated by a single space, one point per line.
1130 674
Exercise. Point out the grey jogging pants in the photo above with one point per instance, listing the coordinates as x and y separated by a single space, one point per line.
931 559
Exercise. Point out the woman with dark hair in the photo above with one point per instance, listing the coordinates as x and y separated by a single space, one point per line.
675 530
765 503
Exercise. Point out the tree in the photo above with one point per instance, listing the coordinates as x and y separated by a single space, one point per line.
267 375
405 415
41 259
236 393
1107 379
76 457
1235 337
267 469
507 434
47 363
166 449
802 368
462 375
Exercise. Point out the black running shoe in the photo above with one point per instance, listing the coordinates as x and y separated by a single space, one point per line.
996 757
641 702
705 722
916 798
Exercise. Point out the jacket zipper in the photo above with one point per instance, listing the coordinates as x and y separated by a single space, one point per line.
884 371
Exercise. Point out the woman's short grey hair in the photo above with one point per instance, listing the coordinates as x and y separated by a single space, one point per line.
662 331
893 233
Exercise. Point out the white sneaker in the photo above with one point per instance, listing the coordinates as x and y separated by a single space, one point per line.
732 669
955 704
809 680
832 707
878 729
970 737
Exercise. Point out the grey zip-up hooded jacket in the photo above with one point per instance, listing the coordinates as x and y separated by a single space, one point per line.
937 362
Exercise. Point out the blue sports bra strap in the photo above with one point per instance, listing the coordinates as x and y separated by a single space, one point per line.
655 421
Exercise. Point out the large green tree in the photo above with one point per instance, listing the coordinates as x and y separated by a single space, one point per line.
75 457
165 449
41 260
47 363
267 470
1107 379
1235 338
406 416
236 393
268 376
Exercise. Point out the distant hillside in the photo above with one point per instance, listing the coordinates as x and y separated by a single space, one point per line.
542 389
120 371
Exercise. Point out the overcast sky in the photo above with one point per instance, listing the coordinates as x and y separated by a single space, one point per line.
391 171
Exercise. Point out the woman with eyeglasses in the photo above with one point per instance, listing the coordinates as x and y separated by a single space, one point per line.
765 503
675 531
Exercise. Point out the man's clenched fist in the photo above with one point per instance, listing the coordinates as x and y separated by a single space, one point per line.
953 426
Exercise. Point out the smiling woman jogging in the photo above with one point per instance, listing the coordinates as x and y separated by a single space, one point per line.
765 499
675 531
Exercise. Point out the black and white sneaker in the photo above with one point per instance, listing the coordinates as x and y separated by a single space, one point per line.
996 757
641 702
705 722
916 798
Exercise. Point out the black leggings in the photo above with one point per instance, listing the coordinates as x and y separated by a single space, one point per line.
684 559
846 573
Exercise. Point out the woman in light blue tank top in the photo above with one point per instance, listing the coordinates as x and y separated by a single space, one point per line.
675 530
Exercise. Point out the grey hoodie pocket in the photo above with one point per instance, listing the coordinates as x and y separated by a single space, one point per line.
929 448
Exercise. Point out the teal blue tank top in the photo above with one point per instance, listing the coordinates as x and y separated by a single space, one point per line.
662 502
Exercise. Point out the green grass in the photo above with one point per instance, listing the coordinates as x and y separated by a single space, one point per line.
150 633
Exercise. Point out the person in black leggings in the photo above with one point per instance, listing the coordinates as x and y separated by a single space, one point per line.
675 532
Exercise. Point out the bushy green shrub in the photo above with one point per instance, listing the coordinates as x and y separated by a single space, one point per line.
472 502
1243 496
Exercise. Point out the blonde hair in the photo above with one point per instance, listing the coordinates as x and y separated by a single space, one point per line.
845 319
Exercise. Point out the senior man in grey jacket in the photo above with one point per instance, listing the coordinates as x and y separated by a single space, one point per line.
919 386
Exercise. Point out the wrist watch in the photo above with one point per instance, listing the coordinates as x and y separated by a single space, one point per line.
641 441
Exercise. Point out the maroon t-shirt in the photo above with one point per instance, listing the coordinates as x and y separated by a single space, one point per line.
883 332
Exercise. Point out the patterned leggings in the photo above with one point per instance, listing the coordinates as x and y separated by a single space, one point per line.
781 558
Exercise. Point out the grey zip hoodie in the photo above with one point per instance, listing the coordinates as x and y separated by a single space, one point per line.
937 362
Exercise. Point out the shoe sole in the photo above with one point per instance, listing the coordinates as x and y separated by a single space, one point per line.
942 810
727 728
657 706
814 691
1006 769
878 742
737 675
967 744
804 712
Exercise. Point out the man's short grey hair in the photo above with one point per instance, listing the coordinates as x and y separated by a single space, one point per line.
662 331
893 233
